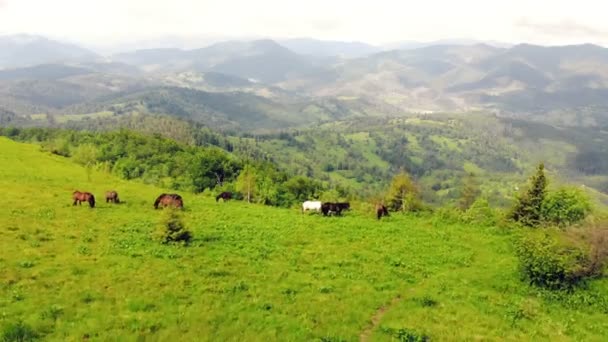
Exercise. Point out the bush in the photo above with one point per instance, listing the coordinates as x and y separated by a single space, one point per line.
565 207
480 213
18 332
595 239
548 262
171 227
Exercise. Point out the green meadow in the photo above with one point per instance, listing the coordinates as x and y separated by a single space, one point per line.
257 273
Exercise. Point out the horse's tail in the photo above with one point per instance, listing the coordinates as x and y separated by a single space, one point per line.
92 201
217 198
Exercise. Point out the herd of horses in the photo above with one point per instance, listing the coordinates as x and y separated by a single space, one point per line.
330 208
176 201
164 200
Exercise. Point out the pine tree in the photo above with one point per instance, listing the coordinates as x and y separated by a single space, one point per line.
528 208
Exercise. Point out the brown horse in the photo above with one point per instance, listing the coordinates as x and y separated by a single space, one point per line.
224 195
166 200
381 210
112 197
80 197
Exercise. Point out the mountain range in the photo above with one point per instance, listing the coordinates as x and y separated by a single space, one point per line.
269 84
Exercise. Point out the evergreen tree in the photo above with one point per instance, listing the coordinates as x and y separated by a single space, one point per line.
528 209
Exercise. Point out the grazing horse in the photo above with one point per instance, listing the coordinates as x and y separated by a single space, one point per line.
112 197
80 197
166 200
381 210
224 195
311 205
327 208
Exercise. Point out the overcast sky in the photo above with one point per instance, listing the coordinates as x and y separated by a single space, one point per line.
375 21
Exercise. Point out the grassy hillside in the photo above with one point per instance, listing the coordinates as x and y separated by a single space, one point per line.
257 273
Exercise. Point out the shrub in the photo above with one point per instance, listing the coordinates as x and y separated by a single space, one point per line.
565 206
18 332
546 261
480 213
595 239
171 228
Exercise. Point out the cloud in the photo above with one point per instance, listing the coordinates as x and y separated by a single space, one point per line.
562 29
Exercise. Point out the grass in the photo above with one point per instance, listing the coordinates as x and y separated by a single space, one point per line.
255 273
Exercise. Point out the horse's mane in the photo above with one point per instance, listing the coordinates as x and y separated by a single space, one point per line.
158 200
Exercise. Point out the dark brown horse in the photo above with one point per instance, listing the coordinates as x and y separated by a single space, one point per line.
112 197
166 200
224 195
381 210
80 197
327 208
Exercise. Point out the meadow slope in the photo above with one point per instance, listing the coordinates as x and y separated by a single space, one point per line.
256 273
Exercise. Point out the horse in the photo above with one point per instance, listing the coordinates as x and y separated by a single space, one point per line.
224 195
112 196
381 210
311 205
327 208
166 200
80 197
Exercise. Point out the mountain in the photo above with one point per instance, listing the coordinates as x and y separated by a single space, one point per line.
412 44
260 60
567 85
28 50
326 48
517 80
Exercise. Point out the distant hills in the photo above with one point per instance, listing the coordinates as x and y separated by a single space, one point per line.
265 84
28 50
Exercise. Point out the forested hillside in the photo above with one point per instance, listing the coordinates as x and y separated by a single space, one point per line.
361 156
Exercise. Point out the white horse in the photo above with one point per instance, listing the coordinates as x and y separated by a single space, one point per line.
311 205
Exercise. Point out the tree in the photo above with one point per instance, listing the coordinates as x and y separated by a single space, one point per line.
566 206
403 194
528 208
469 193
86 155
210 168
245 183
302 188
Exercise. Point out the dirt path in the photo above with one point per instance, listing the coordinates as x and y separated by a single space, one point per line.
376 318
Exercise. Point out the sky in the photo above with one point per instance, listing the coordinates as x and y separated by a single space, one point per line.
378 22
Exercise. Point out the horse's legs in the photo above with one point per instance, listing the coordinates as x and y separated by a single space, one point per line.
75 202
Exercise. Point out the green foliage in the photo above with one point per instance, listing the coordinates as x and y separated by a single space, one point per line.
284 275
403 194
172 228
405 335
469 193
246 183
18 332
528 208
59 146
302 188
565 207
480 213
548 262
